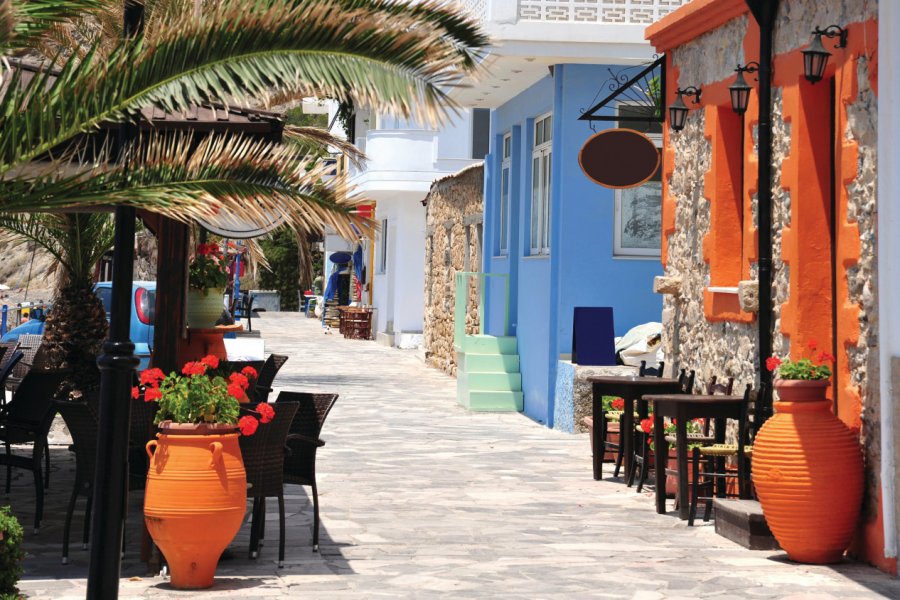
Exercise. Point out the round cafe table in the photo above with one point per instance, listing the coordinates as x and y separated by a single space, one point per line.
204 341
630 388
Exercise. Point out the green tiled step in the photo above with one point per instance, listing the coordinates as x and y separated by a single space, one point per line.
495 401
489 344
494 382
492 363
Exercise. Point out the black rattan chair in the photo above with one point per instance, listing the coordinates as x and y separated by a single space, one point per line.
300 463
81 419
266 377
27 419
263 454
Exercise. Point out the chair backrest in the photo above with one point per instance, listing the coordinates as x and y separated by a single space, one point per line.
686 381
11 347
300 464
33 399
29 345
83 424
9 366
713 387
266 377
646 371
264 451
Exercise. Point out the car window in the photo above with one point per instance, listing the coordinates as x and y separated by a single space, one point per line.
105 295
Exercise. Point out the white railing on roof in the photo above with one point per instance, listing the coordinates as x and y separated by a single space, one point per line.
478 9
596 11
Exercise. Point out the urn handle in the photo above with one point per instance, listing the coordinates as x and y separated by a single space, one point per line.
150 444
216 449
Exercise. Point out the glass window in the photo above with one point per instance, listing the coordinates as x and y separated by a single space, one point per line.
540 186
638 210
383 247
505 169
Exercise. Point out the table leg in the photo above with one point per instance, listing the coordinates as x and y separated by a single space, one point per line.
720 460
681 449
598 444
660 451
626 435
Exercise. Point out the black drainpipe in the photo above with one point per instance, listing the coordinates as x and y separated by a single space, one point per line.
764 12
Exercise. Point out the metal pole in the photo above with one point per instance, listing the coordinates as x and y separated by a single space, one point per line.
117 365
764 11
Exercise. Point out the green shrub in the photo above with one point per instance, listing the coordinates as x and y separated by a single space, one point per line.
10 554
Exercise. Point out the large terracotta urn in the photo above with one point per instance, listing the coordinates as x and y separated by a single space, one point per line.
808 473
195 499
204 307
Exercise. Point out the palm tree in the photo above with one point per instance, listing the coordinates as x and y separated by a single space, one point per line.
393 57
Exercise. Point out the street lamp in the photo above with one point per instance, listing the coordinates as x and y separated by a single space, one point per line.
678 110
816 56
740 89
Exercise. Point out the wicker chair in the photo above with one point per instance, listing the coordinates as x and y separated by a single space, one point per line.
30 346
141 431
300 463
266 377
263 454
81 419
27 419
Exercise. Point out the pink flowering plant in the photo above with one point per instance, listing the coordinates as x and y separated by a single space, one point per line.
200 394
208 270
816 366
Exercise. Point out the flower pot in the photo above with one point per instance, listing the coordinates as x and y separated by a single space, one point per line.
808 473
204 309
612 436
672 478
195 499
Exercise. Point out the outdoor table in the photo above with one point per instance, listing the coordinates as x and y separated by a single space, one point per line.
206 340
629 388
683 408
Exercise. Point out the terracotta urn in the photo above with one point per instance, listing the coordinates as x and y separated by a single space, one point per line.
204 307
808 473
195 498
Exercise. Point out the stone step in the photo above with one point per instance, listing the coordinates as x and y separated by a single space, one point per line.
742 522
499 382
495 401
490 344
491 363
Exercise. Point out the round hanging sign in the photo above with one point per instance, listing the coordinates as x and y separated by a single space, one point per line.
619 158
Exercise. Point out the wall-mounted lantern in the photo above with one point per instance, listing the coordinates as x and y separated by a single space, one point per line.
678 110
816 56
740 89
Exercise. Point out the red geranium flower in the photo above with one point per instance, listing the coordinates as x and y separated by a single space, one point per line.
618 403
825 357
152 376
266 412
135 392
249 373
772 363
194 368
236 390
210 361
647 425
238 379
248 425
151 394
811 344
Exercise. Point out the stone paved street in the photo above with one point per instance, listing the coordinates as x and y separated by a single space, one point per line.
422 499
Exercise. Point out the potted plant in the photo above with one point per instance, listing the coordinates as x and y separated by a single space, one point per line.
610 404
207 278
694 426
11 553
807 464
196 492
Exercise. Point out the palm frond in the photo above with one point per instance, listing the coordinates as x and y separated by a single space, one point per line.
256 181
395 64
40 229
35 17
7 25
316 138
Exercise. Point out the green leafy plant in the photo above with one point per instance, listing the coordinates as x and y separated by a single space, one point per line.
208 270
694 426
201 394
613 403
283 253
11 554
806 369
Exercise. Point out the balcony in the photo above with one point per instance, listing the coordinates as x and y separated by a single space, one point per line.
529 36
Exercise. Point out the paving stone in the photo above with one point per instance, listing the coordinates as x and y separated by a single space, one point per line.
421 499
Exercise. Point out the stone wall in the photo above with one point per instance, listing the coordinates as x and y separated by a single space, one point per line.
452 245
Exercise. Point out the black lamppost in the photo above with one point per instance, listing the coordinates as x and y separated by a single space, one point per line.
740 89
117 365
815 58
678 110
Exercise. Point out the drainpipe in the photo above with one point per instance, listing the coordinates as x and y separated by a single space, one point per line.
764 12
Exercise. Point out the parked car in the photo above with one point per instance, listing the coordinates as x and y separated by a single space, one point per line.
143 318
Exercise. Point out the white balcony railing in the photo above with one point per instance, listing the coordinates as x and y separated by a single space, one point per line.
612 12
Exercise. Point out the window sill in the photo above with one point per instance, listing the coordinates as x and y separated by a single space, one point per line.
500 256
722 289
536 257
654 257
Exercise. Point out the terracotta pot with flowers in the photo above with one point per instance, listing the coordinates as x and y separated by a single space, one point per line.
693 427
207 279
196 492
807 464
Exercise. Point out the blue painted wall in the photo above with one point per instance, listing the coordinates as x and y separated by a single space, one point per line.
581 269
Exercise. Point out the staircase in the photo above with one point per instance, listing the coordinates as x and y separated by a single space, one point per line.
488 378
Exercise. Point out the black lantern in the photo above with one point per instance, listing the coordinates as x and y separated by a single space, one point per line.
740 89
815 58
678 110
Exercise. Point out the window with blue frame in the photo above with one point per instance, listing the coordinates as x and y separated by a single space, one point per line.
540 185
505 169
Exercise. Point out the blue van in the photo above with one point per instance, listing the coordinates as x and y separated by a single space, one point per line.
143 318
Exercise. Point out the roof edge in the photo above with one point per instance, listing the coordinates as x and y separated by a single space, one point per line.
692 20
